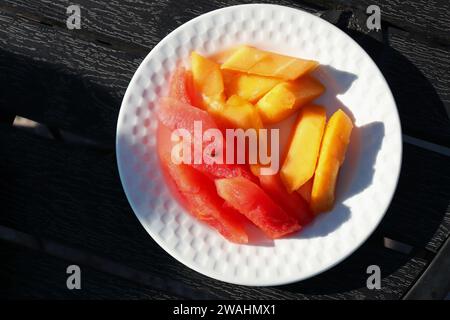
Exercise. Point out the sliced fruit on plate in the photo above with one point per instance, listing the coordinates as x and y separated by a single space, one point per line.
222 56
178 85
287 97
292 203
190 90
177 115
202 200
249 86
208 81
198 195
301 158
332 155
239 113
251 60
244 58
164 147
224 170
249 199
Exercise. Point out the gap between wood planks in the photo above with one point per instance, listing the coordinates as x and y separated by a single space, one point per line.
94 261
55 133
426 145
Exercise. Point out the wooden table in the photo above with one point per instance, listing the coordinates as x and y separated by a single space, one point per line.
61 200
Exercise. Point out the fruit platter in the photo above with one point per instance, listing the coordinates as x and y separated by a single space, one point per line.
258 145
249 89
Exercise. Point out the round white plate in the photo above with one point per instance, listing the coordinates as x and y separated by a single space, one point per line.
367 180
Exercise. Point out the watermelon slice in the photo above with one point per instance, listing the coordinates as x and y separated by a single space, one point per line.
180 87
292 203
176 115
194 96
164 147
249 199
197 194
223 170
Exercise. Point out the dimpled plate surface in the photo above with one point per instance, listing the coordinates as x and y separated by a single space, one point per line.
367 179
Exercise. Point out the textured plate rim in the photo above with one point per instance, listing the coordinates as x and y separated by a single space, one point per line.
273 281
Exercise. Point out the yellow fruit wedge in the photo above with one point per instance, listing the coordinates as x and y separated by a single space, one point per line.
243 59
238 113
208 81
222 56
264 63
286 97
332 155
249 86
301 158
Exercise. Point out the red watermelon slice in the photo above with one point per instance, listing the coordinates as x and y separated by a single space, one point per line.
249 199
198 195
178 85
177 115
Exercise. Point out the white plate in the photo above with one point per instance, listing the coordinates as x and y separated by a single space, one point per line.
367 180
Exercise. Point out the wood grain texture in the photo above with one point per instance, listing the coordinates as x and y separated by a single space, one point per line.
429 18
417 73
82 204
27 274
419 76
103 264
422 189
140 23
50 77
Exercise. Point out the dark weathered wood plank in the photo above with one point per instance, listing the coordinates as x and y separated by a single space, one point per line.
27 274
398 273
18 50
100 263
50 77
141 23
82 192
423 188
434 283
418 73
429 18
